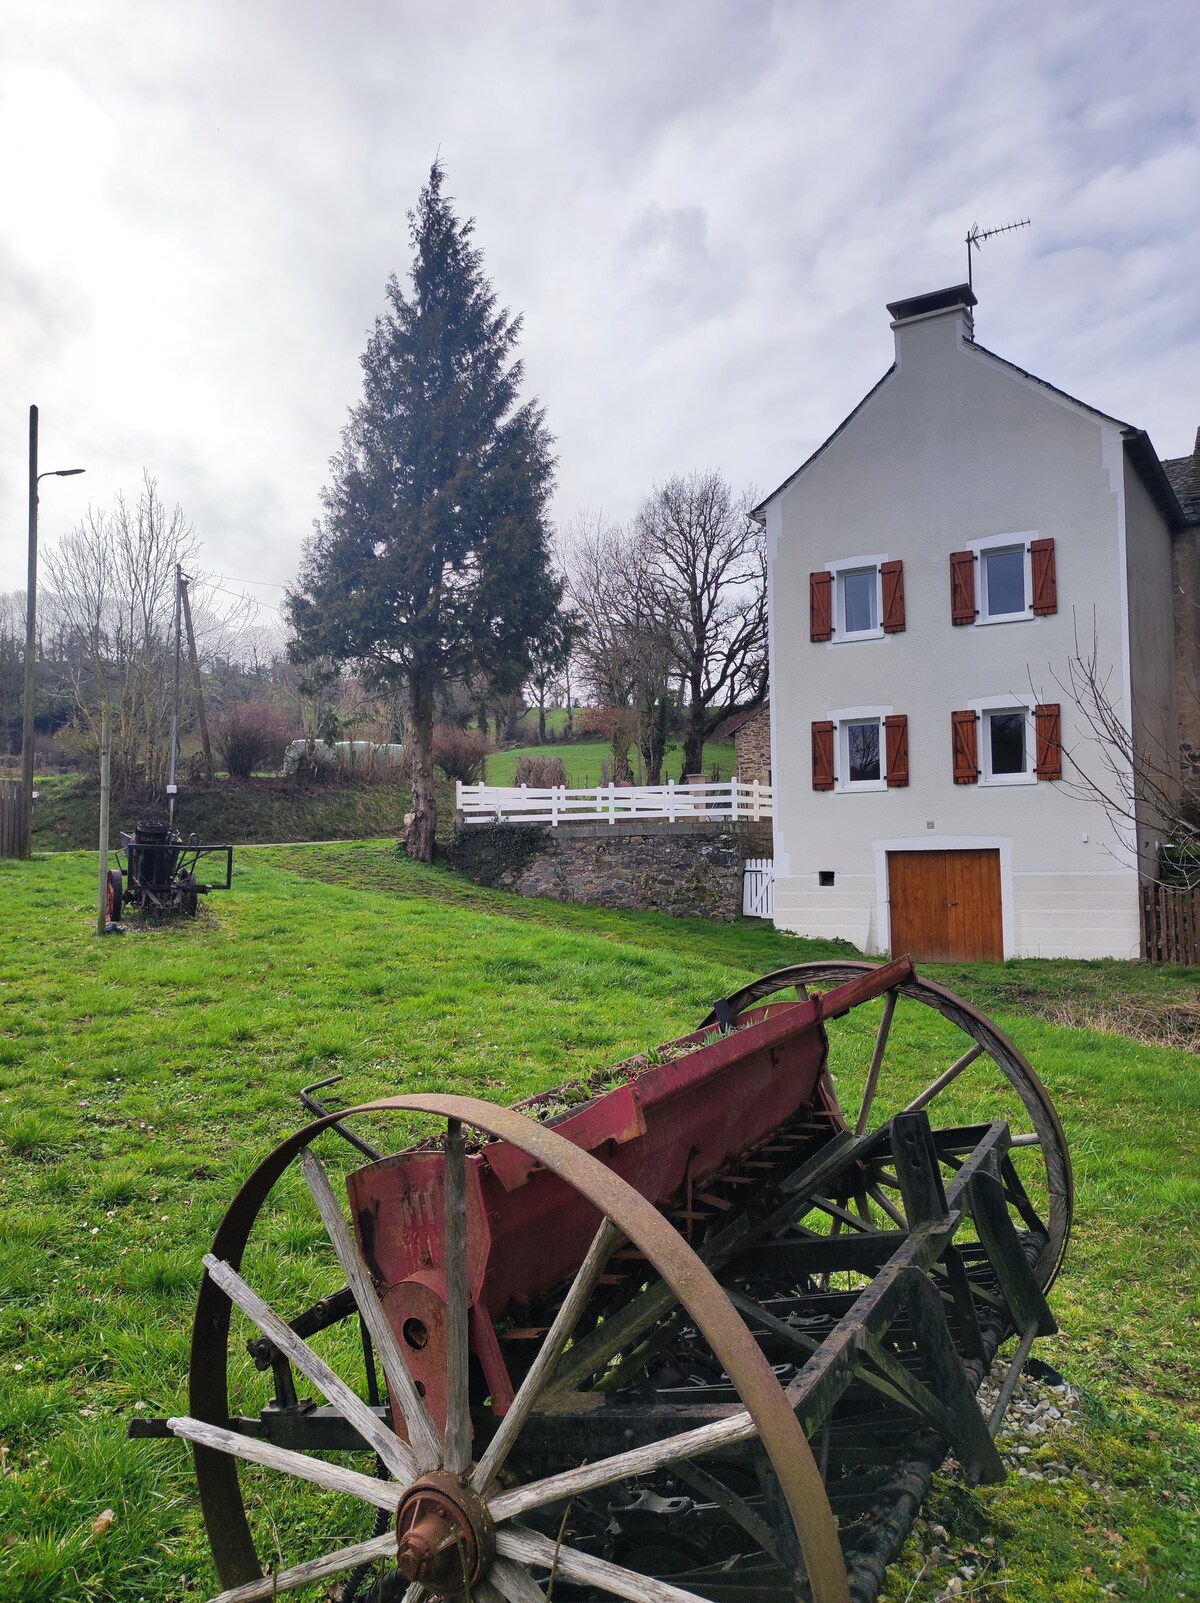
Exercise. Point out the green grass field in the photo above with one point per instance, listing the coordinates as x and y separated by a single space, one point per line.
585 759
142 1077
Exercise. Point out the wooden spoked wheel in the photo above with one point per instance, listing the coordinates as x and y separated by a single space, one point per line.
891 1057
504 1508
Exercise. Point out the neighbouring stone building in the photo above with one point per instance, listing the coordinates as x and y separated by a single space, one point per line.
752 741
1183 472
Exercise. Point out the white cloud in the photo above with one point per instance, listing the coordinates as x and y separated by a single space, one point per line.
700 208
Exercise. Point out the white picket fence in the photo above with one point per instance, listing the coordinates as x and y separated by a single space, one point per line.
758 881
558 804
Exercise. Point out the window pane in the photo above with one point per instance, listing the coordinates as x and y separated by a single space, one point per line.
1008 742
862 741
1005 581
858 600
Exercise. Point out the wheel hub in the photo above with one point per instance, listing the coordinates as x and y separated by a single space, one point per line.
445 1538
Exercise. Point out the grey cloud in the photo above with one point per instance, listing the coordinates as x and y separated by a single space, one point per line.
699 208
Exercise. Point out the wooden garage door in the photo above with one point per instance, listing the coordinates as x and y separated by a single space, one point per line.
946 905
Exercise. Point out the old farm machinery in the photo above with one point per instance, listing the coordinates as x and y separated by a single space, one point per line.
159 875
703 1329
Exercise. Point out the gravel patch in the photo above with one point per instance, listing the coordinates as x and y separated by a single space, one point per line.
1041 1411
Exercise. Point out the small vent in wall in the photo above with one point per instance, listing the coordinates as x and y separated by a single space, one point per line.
825 876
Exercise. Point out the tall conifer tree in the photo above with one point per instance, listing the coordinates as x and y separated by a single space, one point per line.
431 562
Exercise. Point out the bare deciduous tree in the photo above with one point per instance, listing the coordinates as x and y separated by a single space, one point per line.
110 609
1127 766
703 590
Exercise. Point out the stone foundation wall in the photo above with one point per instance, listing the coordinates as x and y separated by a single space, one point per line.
690 870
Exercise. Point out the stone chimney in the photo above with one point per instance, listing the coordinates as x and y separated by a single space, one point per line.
925 322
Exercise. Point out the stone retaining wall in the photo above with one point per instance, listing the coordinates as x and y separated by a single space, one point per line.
689 869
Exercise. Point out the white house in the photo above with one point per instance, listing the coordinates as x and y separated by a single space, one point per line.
932 568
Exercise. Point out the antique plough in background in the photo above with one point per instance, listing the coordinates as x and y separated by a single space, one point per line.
159 875
704 1334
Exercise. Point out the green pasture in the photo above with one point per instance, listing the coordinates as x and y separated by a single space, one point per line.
143 1076
584 760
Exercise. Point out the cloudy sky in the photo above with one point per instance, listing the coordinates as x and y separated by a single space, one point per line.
700 209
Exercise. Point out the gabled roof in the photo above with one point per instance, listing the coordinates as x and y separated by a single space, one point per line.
1174 486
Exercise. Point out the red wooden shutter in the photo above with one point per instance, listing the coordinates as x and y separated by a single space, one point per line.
965 726
896 727
893 597
822 756
820 606
1048 721
962 587
1045 584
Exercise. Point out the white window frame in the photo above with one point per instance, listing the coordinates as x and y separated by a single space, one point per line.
989 704
841 635
1019 540
841 718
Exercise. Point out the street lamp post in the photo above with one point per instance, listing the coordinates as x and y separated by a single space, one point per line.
31 620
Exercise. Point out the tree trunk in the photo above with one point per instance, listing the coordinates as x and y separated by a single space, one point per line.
693 739
542 714
422 820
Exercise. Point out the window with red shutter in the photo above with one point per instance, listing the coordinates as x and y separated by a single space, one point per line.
892 574
962 587
965 736
820 606
896 729
1045 582
822 756
1048 722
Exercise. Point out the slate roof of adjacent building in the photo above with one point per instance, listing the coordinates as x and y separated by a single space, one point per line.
1183 473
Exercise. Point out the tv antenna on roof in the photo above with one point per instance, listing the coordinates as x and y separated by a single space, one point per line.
976 237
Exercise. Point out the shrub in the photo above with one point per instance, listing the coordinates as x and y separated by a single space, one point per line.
540 772
460 753
252 735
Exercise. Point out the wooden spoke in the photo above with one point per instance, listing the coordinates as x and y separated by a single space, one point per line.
346 1558
500 1446
514 1582
881 1041
394 1453
695 1443
839 1215
1025 1141
426 1444
530 1547
943 1080
457 1449
334 1477
881 1200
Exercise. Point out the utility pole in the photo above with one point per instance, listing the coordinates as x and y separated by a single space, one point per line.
30 636
31 624
195 661
171 785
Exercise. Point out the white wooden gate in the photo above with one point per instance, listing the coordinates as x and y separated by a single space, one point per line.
758 879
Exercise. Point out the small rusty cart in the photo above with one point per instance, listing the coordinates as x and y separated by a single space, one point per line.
702 1329
159 875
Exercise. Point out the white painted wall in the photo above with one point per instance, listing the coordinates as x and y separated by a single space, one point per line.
955 447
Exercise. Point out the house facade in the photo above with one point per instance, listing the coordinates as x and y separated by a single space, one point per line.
938 570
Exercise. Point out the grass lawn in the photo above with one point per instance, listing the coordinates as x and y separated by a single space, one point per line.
584 760
141 1078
